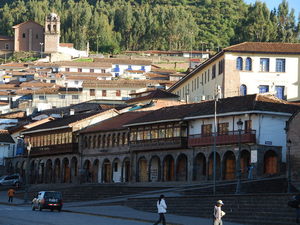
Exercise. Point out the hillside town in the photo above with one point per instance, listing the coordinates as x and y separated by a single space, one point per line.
202 124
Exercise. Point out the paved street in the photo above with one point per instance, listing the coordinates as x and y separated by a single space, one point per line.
78 213
23 215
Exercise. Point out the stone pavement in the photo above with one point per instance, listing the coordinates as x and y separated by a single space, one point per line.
119 211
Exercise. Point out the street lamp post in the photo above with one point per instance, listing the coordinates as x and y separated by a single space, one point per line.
27 173
289 180
238 170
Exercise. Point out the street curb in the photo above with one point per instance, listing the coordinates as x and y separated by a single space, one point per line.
116 217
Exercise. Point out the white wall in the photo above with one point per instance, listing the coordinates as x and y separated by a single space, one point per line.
269 128
253 79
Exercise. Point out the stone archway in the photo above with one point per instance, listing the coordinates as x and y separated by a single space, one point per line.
142 170
245 162
57 170
126 170
200 167
181 168
229 164
169 174
270 163
32 173
95 171
87 171
211 166
66 170
48 171
155 169
117 170
106 171
74 170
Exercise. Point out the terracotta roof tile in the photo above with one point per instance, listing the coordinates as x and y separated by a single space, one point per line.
265 47
29 21
156 94
68 45
115 123
6 38
36 84
86 74
102 65
122 61
255 102
119 83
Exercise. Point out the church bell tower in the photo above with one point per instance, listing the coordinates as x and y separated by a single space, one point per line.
52 33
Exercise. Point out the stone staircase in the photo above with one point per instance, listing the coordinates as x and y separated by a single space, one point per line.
262 209
73 193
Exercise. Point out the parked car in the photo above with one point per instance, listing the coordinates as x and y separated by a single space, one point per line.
14 179
47 200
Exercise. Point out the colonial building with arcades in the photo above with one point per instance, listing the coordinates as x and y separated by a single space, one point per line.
170 144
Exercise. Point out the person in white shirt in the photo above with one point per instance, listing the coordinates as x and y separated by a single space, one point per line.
218 213
161 209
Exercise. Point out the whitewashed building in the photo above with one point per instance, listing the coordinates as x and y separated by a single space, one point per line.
246 68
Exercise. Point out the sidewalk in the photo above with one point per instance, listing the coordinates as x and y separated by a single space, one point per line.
119 211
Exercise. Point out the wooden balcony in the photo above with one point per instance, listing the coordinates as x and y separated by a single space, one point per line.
224 139
156 144
54 149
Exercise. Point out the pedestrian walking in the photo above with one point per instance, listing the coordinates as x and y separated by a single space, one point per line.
161 209
218 213
295 203
10 194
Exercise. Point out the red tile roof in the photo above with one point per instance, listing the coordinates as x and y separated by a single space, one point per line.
68 45
122 61
155 94
101 65
265 47
115 123
30 21
6 38
119 83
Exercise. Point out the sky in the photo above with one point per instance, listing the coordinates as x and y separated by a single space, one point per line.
295 4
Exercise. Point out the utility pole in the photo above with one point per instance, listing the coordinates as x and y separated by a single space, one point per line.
216 96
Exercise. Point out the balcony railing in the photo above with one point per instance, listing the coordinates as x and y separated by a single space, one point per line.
54 149
231 137
162 143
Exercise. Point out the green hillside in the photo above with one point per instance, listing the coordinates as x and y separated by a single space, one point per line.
116 25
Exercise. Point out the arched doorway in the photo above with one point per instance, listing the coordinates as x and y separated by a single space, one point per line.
41 171
95 171
143 172
23 172
57 171
270 163
211 166
18 167
66 171
229 166
126 170
200 167
117 170
32 174
87 174
245 162
181 168
74 170
155 170
169 174
106 171
48 171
